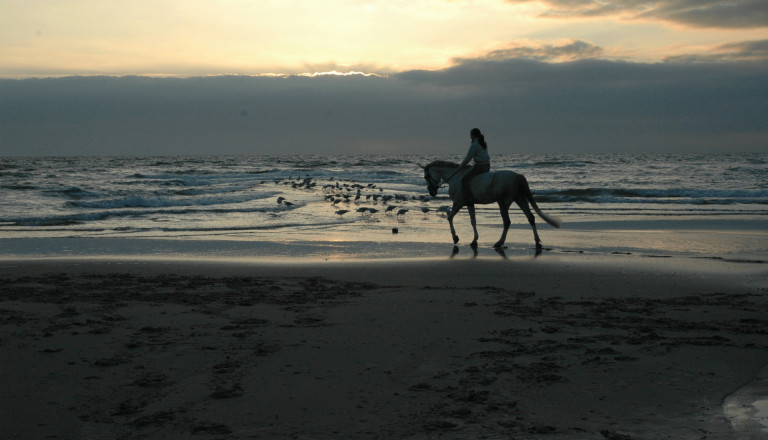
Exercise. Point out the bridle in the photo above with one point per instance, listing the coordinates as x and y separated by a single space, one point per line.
432 186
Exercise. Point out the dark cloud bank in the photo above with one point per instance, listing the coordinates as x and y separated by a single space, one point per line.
725 14
523 105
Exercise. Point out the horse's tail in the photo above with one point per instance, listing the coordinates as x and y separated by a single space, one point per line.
553 221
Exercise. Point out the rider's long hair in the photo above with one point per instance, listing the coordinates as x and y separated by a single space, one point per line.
476 133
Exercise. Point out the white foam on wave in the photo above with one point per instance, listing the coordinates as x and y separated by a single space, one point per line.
167 202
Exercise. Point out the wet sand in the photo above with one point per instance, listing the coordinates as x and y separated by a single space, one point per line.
564 347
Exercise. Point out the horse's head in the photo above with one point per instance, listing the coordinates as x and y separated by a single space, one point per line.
433 181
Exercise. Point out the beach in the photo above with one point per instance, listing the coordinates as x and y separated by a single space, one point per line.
561 346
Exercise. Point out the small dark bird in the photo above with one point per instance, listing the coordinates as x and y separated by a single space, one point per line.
341 212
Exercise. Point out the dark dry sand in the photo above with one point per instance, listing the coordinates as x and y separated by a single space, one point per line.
546 349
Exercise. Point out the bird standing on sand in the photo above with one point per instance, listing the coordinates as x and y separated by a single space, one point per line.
444 210
401 212
425 210
341 212
390 208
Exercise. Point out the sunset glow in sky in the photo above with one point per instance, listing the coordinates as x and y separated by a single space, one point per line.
204 37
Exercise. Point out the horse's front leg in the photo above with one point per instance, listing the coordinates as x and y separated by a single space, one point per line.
504 209
454 210
471 209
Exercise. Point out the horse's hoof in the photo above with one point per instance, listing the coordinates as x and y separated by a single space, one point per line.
473 245
455 239
538 246
498 245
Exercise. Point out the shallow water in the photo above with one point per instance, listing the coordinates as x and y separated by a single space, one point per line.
712 206
747 408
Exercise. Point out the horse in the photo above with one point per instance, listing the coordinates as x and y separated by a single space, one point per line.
501 187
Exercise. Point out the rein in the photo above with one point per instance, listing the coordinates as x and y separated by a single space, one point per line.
442 182
453 175
441 179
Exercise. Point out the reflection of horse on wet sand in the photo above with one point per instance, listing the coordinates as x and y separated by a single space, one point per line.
502 187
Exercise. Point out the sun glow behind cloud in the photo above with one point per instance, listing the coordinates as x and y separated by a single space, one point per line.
205 37
192 37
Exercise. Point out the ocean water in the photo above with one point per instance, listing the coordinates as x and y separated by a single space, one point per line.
711 206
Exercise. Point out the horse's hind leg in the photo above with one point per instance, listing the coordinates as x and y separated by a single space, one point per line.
504 209
522 202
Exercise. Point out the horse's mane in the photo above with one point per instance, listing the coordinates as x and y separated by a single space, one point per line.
443 163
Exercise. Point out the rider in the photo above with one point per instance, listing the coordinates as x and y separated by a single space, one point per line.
478 151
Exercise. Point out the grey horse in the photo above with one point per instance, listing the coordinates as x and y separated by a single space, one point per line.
502 187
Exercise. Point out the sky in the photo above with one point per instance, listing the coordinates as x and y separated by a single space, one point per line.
414 76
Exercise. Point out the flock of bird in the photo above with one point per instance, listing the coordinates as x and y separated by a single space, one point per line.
339 193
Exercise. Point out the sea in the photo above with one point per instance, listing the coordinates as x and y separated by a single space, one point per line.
337 207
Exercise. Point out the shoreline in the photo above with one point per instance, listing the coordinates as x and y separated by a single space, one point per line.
566 346
488 263
746 246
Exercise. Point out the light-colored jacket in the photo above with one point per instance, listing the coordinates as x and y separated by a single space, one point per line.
478 153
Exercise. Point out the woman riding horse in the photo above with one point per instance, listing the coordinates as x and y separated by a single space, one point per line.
478 151
501 187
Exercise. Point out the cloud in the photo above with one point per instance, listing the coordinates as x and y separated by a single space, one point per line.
695 13
569 51
727 53
712 13
522 104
